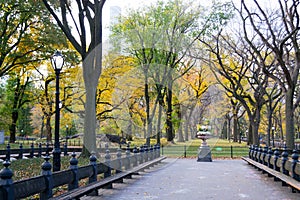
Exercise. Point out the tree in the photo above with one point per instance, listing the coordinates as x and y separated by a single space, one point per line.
69 94
283 47
16 102
18 95
87 25
237 70
25 35
25 32
161 37
115 67
196 86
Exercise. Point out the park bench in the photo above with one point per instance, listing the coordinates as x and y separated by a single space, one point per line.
106 182
280 168
286 180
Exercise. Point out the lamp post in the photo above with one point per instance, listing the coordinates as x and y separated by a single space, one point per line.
57 61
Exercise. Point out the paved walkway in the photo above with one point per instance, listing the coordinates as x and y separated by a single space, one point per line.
188 179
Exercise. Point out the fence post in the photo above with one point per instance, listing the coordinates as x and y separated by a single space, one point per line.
265 151
135 159
158 150
8 152
65 149
151 152
119 158
47 148
231 152
284 156
93 163
40 150
155 151
259 154
93 178
31 150
250 152
295 157
276 157
107 162
74 168
46 172
270 154
107 173
141 154
127 165
6 182
20 152
255 153
146 153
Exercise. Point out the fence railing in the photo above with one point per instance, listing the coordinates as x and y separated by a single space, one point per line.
282 144
47 181
278 160
34 151
217 151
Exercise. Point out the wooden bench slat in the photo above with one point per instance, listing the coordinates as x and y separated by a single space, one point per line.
284 178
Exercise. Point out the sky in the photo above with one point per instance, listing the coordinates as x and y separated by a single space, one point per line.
124 5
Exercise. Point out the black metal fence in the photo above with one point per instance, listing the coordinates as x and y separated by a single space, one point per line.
47 181
34 151
278 160
217 151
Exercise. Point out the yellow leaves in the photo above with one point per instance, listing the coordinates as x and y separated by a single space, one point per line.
197 83
114 68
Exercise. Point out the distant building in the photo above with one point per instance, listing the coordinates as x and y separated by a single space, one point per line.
114 14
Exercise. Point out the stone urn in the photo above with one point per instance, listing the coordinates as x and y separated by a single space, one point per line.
204 153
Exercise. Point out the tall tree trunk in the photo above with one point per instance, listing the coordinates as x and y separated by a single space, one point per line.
228 127
289 117
179 115
42 127
224 130
158 136
235 125
148 118
89 137
186 129
254 130
91 73
129 131
48 129
12 127
270 125
188 123
91 14
250 135
180 134
169 128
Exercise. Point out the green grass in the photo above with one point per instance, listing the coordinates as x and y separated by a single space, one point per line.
27 168
219 149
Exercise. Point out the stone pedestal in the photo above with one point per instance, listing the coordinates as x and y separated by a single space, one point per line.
204 153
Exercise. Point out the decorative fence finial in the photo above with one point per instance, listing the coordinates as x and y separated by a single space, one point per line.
6 182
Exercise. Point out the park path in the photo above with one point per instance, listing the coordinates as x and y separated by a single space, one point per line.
187 179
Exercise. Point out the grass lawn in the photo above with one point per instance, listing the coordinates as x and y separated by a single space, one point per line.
219 149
